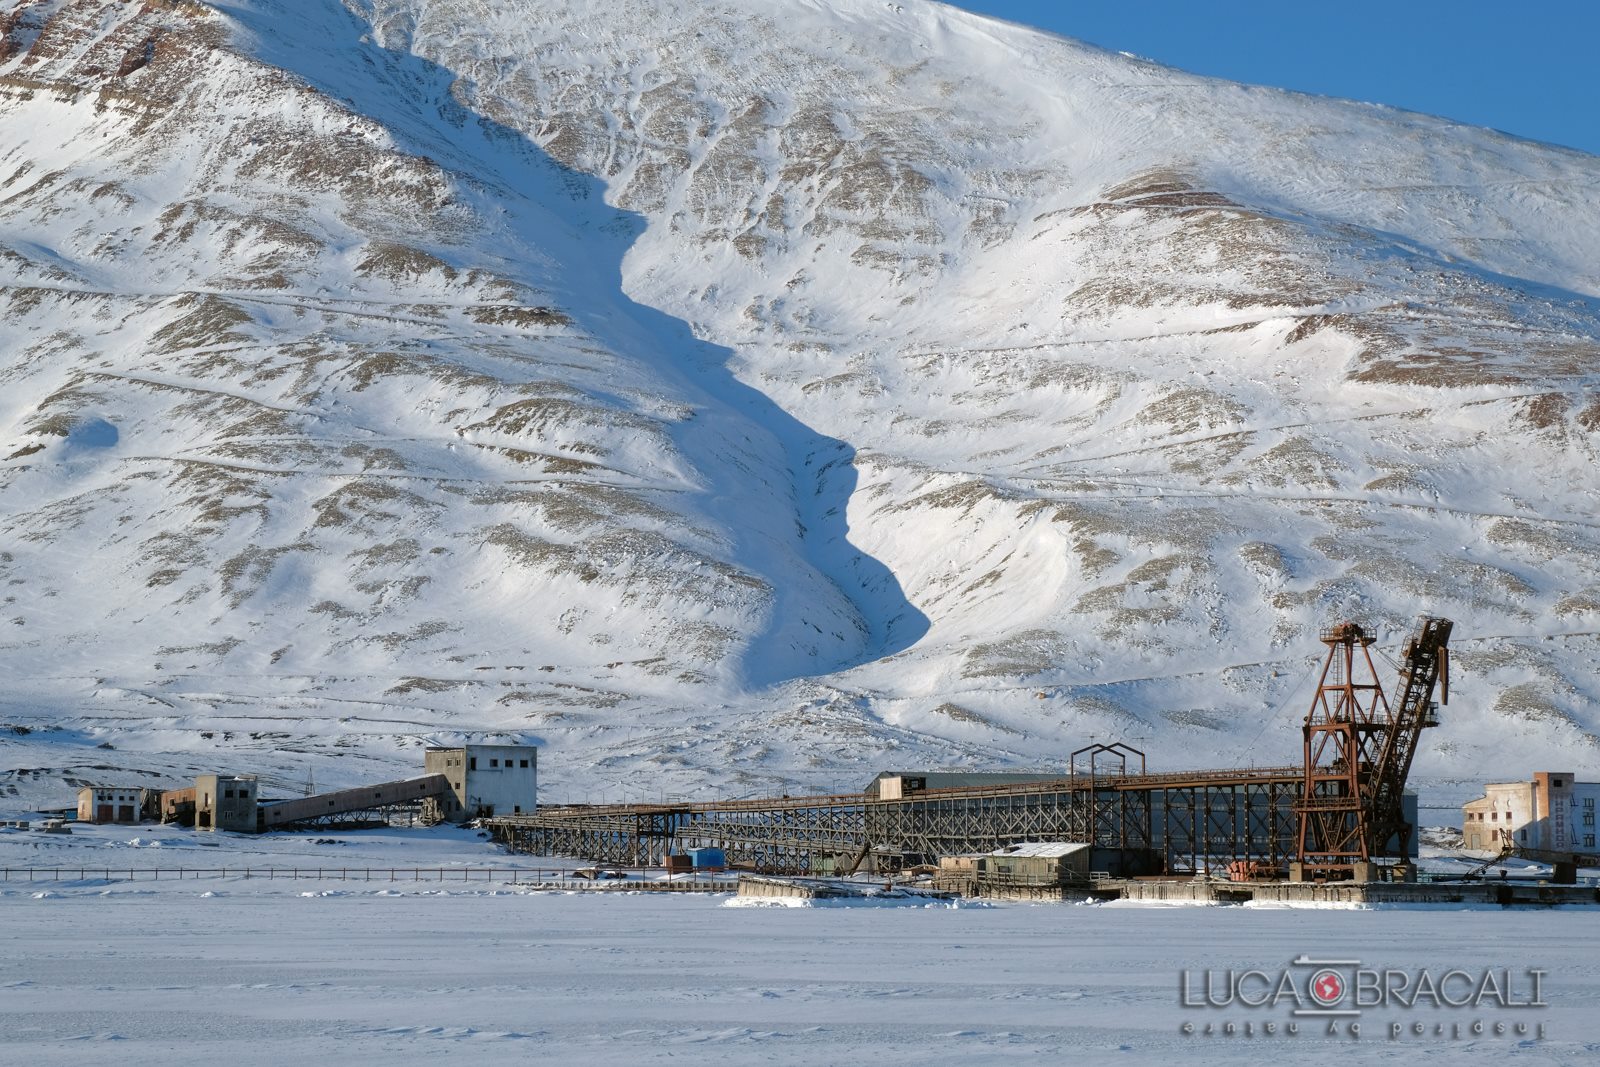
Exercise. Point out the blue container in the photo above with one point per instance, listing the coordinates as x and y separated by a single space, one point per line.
707 858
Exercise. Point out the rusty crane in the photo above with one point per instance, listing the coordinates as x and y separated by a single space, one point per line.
1358 751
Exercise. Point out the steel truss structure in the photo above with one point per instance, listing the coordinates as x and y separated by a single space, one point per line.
1191 821
1340 807
357 818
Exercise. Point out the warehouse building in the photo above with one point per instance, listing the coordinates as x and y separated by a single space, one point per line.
1552 813
485 781
108 803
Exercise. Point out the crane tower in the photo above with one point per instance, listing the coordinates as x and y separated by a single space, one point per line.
1358 751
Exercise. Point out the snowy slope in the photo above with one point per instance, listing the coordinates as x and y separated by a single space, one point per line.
806 387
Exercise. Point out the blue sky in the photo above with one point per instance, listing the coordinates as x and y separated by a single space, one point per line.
1530 69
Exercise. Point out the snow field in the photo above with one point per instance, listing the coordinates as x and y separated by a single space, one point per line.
383 976
258 972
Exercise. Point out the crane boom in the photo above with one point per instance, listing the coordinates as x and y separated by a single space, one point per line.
1424 664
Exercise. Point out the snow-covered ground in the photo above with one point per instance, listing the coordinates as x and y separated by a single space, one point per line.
264 972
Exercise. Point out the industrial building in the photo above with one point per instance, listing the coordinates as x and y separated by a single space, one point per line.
108 803
893 785
485 780
177 805
1039 866
1552 813
461 783
226 802
1037 863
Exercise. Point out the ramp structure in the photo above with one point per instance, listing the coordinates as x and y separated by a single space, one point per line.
346 804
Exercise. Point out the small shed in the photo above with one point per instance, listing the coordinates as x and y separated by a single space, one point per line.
958 874
707 859
1037 863
965 864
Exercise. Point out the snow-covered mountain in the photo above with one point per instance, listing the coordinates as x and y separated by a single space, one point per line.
775 391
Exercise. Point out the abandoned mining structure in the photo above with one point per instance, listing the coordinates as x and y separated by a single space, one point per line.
1336 817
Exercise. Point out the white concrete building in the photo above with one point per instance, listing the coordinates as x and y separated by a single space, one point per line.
106 803
1552 813
486 780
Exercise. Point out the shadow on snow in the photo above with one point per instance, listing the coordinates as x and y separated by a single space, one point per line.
332 50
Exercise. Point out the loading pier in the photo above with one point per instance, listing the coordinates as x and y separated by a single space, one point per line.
1339 815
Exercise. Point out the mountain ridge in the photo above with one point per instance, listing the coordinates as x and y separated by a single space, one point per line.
863 377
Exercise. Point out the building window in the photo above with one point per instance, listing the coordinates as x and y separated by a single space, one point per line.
228 793
1588 802
472 764
1588 818
1588 841
1556 782
494 764
524 763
